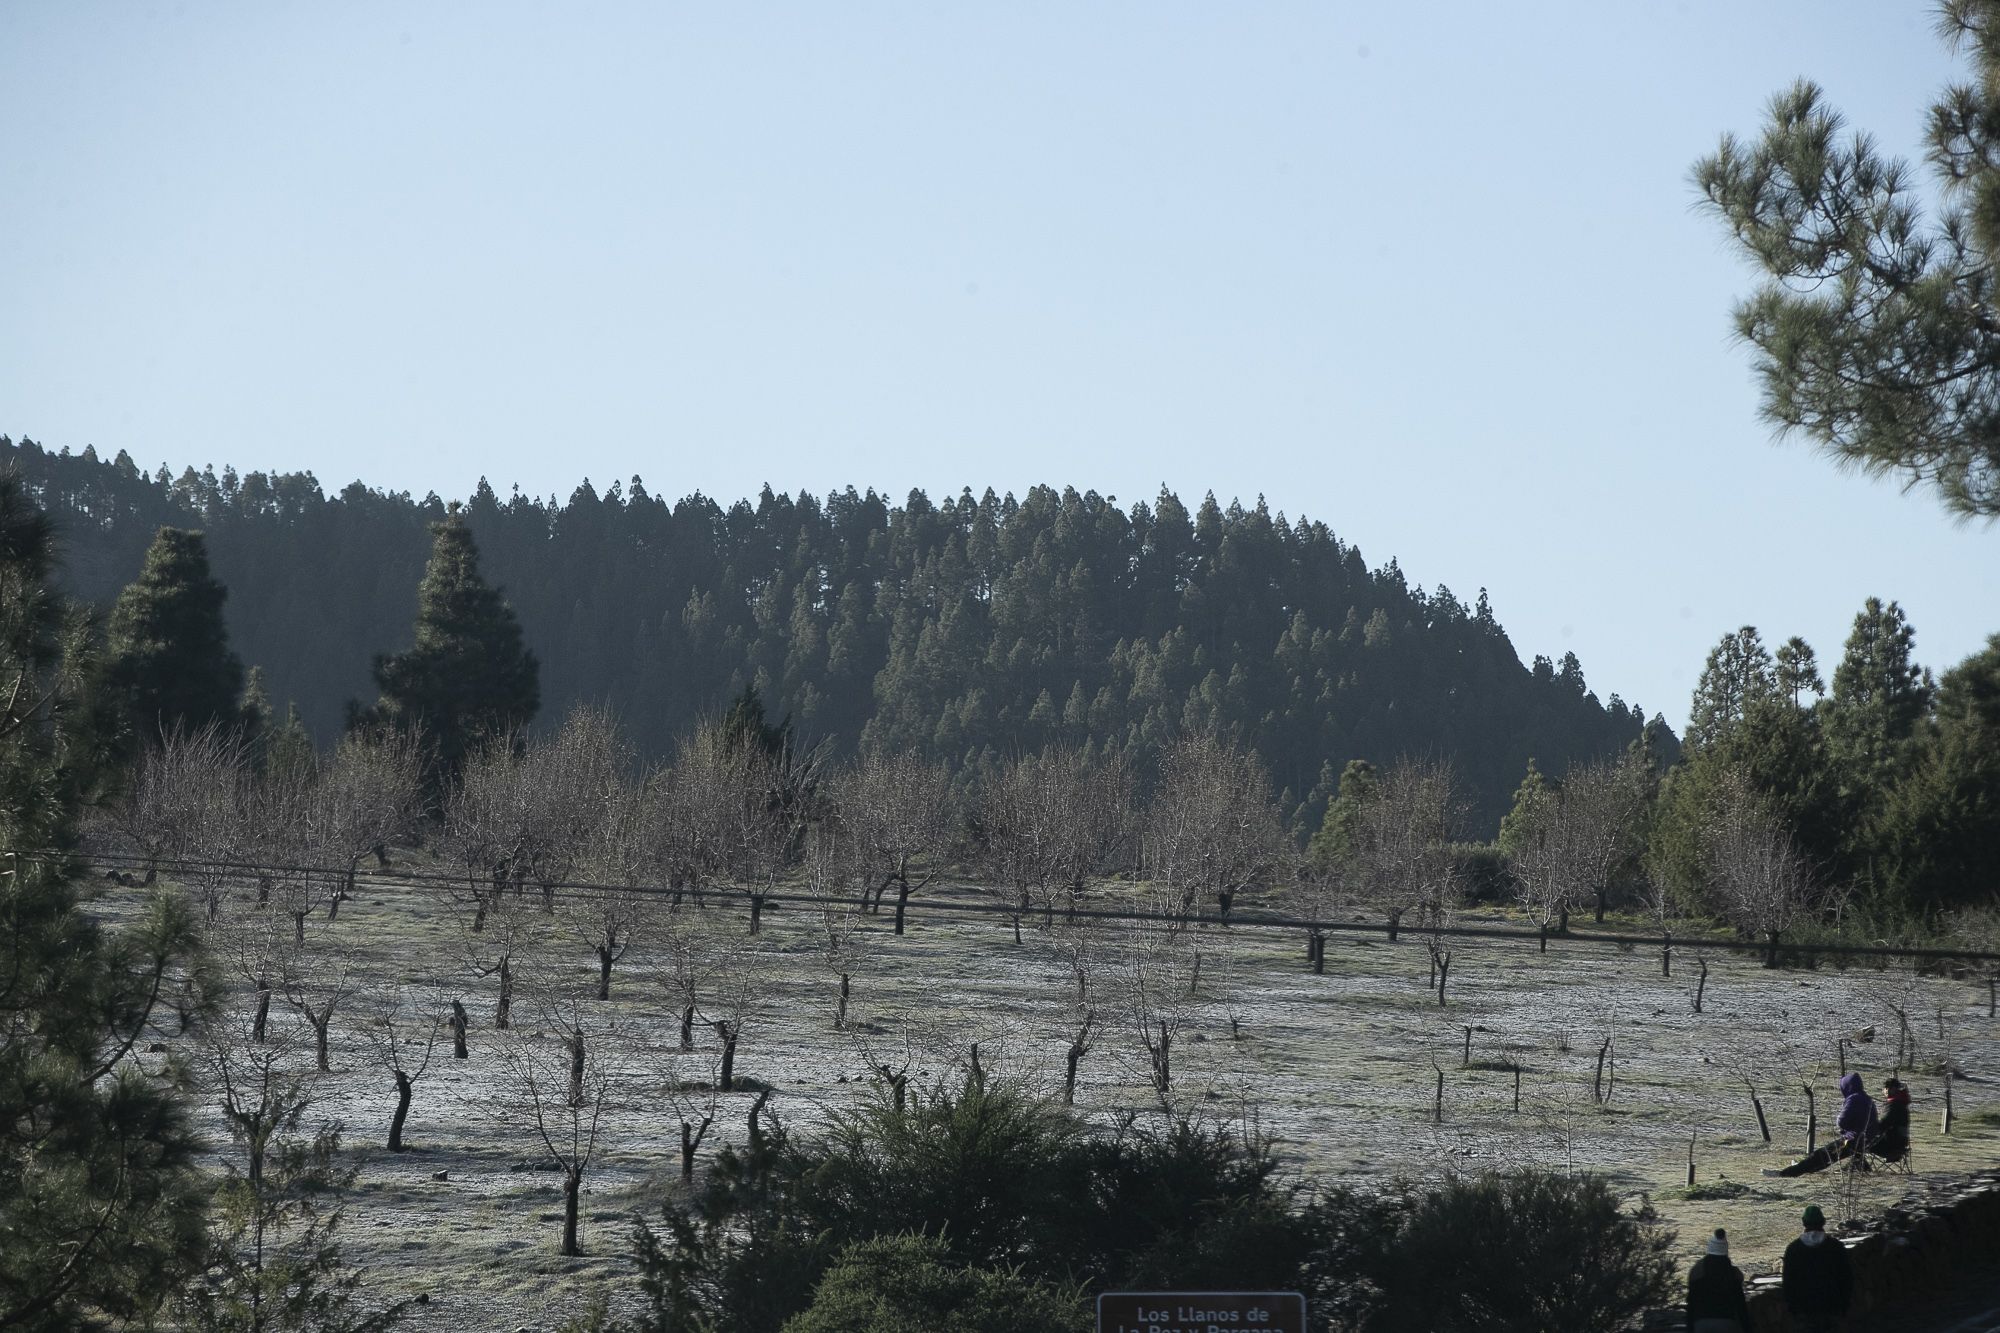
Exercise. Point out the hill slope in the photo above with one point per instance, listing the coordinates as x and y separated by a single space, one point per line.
974 625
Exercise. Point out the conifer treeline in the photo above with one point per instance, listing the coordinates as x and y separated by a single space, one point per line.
978 624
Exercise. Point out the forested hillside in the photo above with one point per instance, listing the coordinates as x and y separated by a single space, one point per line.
980 623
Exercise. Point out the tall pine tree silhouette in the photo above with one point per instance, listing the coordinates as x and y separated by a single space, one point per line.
468 677
168 663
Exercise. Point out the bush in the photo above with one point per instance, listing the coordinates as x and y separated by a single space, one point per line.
1523 1253
909 1284
982 1199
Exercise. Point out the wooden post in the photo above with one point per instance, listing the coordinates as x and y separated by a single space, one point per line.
1757 1105
1517 1089
1468 1046
1690 1161
1840 1046
1597 1087
1437 1105
1944 1126
1992 990
1701 984
1812 1122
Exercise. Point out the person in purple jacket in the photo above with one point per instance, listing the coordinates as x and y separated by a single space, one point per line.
1856 1123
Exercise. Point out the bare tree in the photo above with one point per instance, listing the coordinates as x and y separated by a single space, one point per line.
1761 881
1404 861
560 1092
838 915
570 778
1578 836
315 978
693 1088
897 811
612 913
1212 827
486 830
1051 821
281 829
368 795
733 999
401 1026
1081 944
185 805
1160 998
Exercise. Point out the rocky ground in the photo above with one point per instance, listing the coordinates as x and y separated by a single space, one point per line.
1340 1069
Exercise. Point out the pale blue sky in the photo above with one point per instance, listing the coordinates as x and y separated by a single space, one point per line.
1429 273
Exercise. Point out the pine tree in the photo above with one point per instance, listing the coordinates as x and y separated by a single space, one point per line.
100 1203
168 662
1879 697
468 677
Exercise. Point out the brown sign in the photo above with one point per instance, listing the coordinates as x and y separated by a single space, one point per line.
1201 1312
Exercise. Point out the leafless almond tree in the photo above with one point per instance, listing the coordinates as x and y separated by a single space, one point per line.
315 979
1762 882
186 805
400 1026
897 810
367 796
559 1091
838 915
1212 827
614 910
1051 821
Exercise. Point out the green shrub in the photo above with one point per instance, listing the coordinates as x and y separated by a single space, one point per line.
910 1284
1523 1253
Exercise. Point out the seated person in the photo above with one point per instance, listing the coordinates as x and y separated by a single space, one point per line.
1856 1124
1891 1140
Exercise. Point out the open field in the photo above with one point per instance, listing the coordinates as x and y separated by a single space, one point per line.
1338 1068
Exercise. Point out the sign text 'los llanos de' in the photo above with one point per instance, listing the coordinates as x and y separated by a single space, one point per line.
1201 1312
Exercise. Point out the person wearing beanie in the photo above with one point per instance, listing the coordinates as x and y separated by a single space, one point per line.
1856 1124
1891 1141
1715 1291
1819 1277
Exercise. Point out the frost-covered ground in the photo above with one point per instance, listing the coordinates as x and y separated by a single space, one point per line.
1339 1069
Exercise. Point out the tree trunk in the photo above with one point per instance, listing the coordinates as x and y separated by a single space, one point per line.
1601 891
298 927
1395 922
1667 955
1163 1066
504 1011
1437 1102
1444 974
902 903
1757 1105
691 1137
1319 954
263 1010
1812 1122
840 1013
572 1187
403 1090
687 1027
603 973
1079 1046
756 913
459 1023
576 1067
1771 950
1562 919
1701 984
320 1023
728 1057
